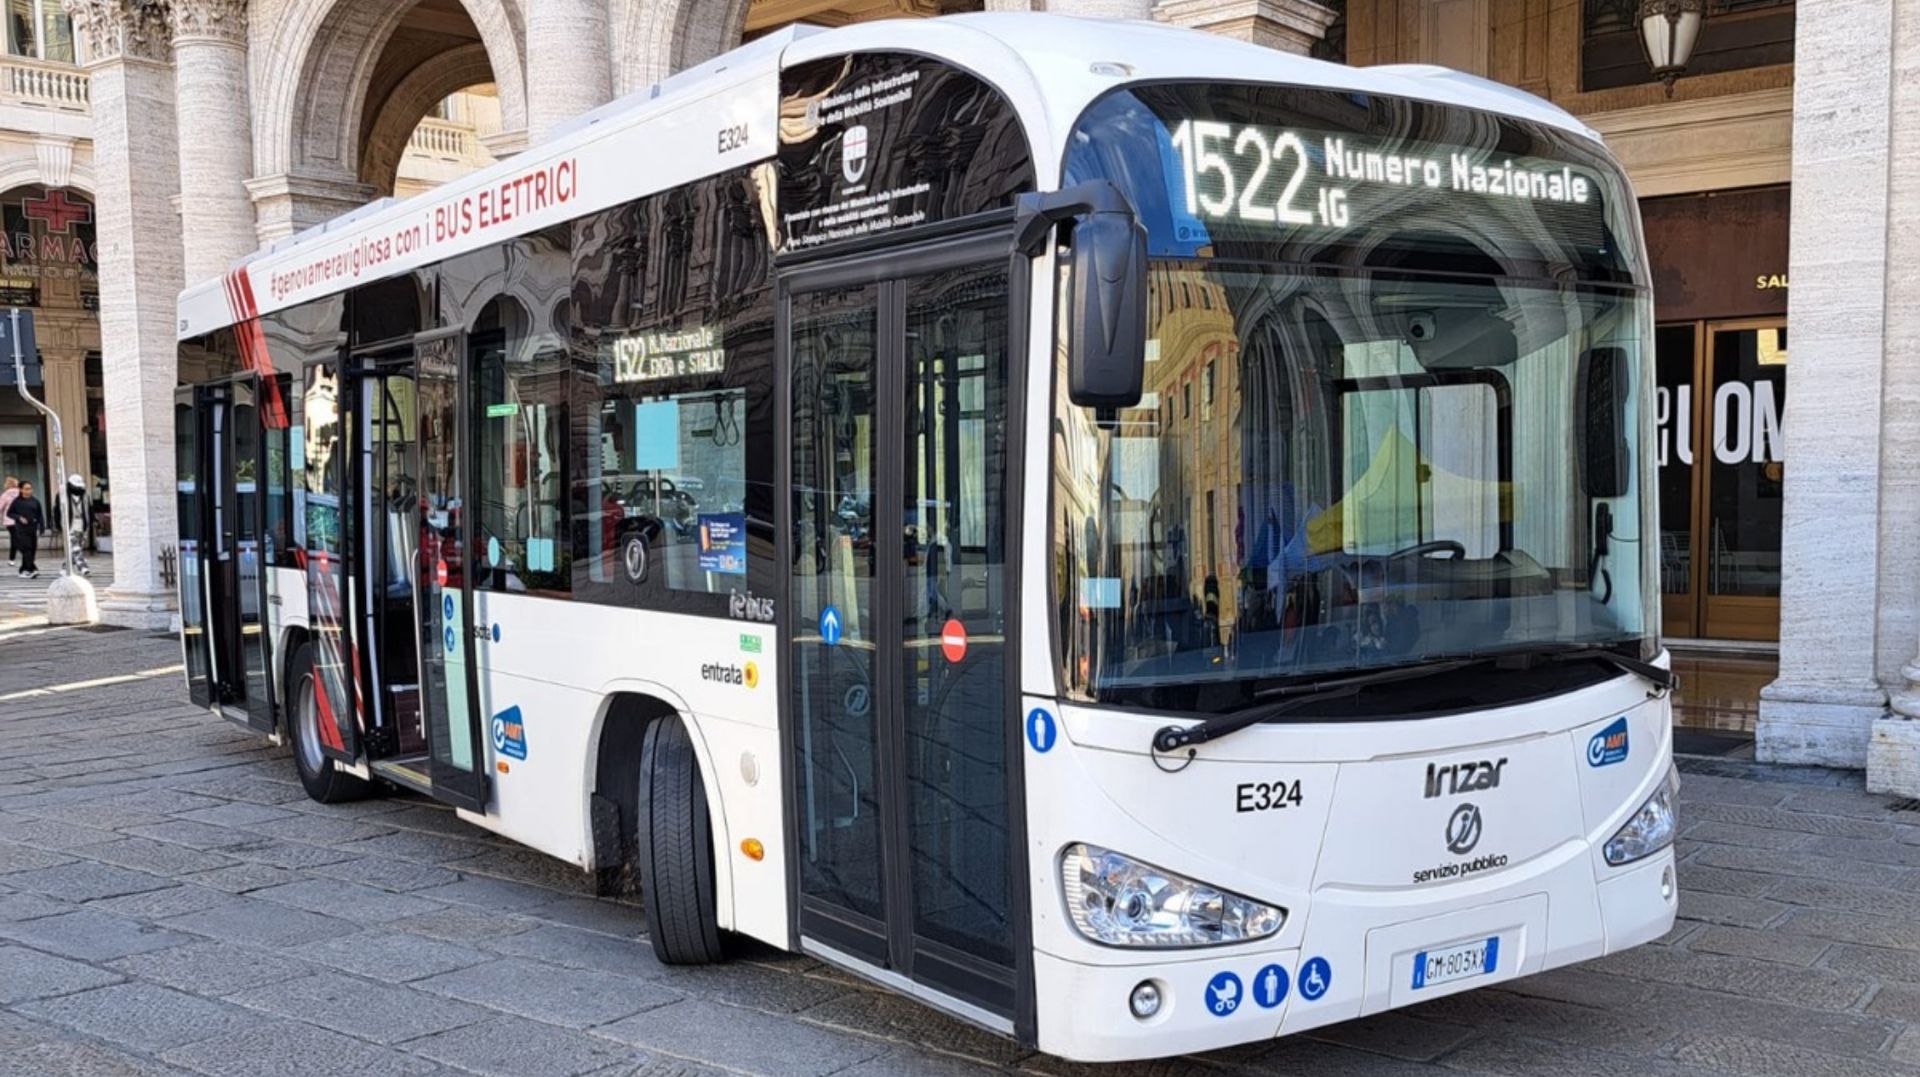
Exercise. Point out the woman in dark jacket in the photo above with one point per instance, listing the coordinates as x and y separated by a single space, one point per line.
29 519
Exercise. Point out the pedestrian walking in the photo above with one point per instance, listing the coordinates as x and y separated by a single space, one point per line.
7 496
29 519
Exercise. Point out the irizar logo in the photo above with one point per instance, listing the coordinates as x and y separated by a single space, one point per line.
1456 778
1609 746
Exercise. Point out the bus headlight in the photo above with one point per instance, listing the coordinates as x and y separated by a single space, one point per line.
1119 901
1650 829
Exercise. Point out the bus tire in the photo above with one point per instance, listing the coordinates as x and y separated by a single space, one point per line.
323 781
673 848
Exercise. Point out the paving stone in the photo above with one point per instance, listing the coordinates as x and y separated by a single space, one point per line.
162 904
434 820
754 1042
193 835
146 1017
392 956
527 866
78 1059
212 968
1763 945
488 893
1717 833
97 815
1802 863
317 829
1510 1054
507 1046
417 846
1844 897
905 1020
28 906
1779 819
1883 851
1700 787
756 987
1850 802
576 998
1816 988
15 858
29 974
286 854
92 935
363 904
242 877
906 1060
1899 966
382 1013
1862 928
456 923
400 876
293 1049
1725 909
1907 1047
244 787
52 833
652 1065
1554 1019
556 944
1758 1057
1398 1034
606 917
238 815
1746 884
253 922
84 880
1898 1002
158 857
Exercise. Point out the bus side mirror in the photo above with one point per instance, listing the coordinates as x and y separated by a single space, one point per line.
1605 375
1107 312
1106 315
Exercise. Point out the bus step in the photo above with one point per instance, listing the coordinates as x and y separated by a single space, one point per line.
410 772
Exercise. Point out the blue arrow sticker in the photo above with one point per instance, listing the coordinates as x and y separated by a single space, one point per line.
1223 994
1041 732
1316 976
1270 986
830 626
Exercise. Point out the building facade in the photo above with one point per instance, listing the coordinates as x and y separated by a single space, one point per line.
217 126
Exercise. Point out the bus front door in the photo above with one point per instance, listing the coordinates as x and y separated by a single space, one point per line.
222 568
905 802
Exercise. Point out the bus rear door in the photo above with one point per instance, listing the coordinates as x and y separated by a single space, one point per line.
905 803
223 566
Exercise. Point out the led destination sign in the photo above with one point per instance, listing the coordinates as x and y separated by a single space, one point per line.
661 356
1266 175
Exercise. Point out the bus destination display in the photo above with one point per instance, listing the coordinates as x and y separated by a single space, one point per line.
1296 178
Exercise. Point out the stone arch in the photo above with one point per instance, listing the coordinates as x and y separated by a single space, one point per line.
309 119
655 38
415 95
26 169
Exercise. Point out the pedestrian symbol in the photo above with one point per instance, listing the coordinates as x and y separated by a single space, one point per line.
1315 977
830 626
1270 986
446 606
1040 730
1223 994
451 638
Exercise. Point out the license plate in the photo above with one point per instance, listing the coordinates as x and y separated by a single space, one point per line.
1469 959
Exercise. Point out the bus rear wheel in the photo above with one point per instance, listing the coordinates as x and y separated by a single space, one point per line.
322 779
673 848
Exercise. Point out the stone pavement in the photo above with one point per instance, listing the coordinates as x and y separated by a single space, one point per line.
171 903
23 602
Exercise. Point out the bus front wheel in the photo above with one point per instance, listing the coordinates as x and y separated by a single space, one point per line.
322 779
674 849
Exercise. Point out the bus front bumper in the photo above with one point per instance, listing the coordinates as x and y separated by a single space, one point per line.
1356 958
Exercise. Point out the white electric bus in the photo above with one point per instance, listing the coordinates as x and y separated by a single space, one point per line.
1137 540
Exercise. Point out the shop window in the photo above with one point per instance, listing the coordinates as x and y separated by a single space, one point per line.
517 355
673 406
1736 35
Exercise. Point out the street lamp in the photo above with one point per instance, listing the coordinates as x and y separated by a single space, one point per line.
1668 29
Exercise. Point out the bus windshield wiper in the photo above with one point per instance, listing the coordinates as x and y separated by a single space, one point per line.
1663 679
1292 697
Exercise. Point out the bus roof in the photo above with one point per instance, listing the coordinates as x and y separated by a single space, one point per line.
723 113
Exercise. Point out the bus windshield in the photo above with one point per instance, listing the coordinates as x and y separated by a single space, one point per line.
1360 447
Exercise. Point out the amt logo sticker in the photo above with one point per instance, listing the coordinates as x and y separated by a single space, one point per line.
1609 746
510 734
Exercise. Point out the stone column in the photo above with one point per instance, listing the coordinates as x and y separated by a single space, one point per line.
216 159
1288 25
569 63
135 173
1828 696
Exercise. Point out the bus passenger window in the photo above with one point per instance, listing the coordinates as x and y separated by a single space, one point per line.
519 423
